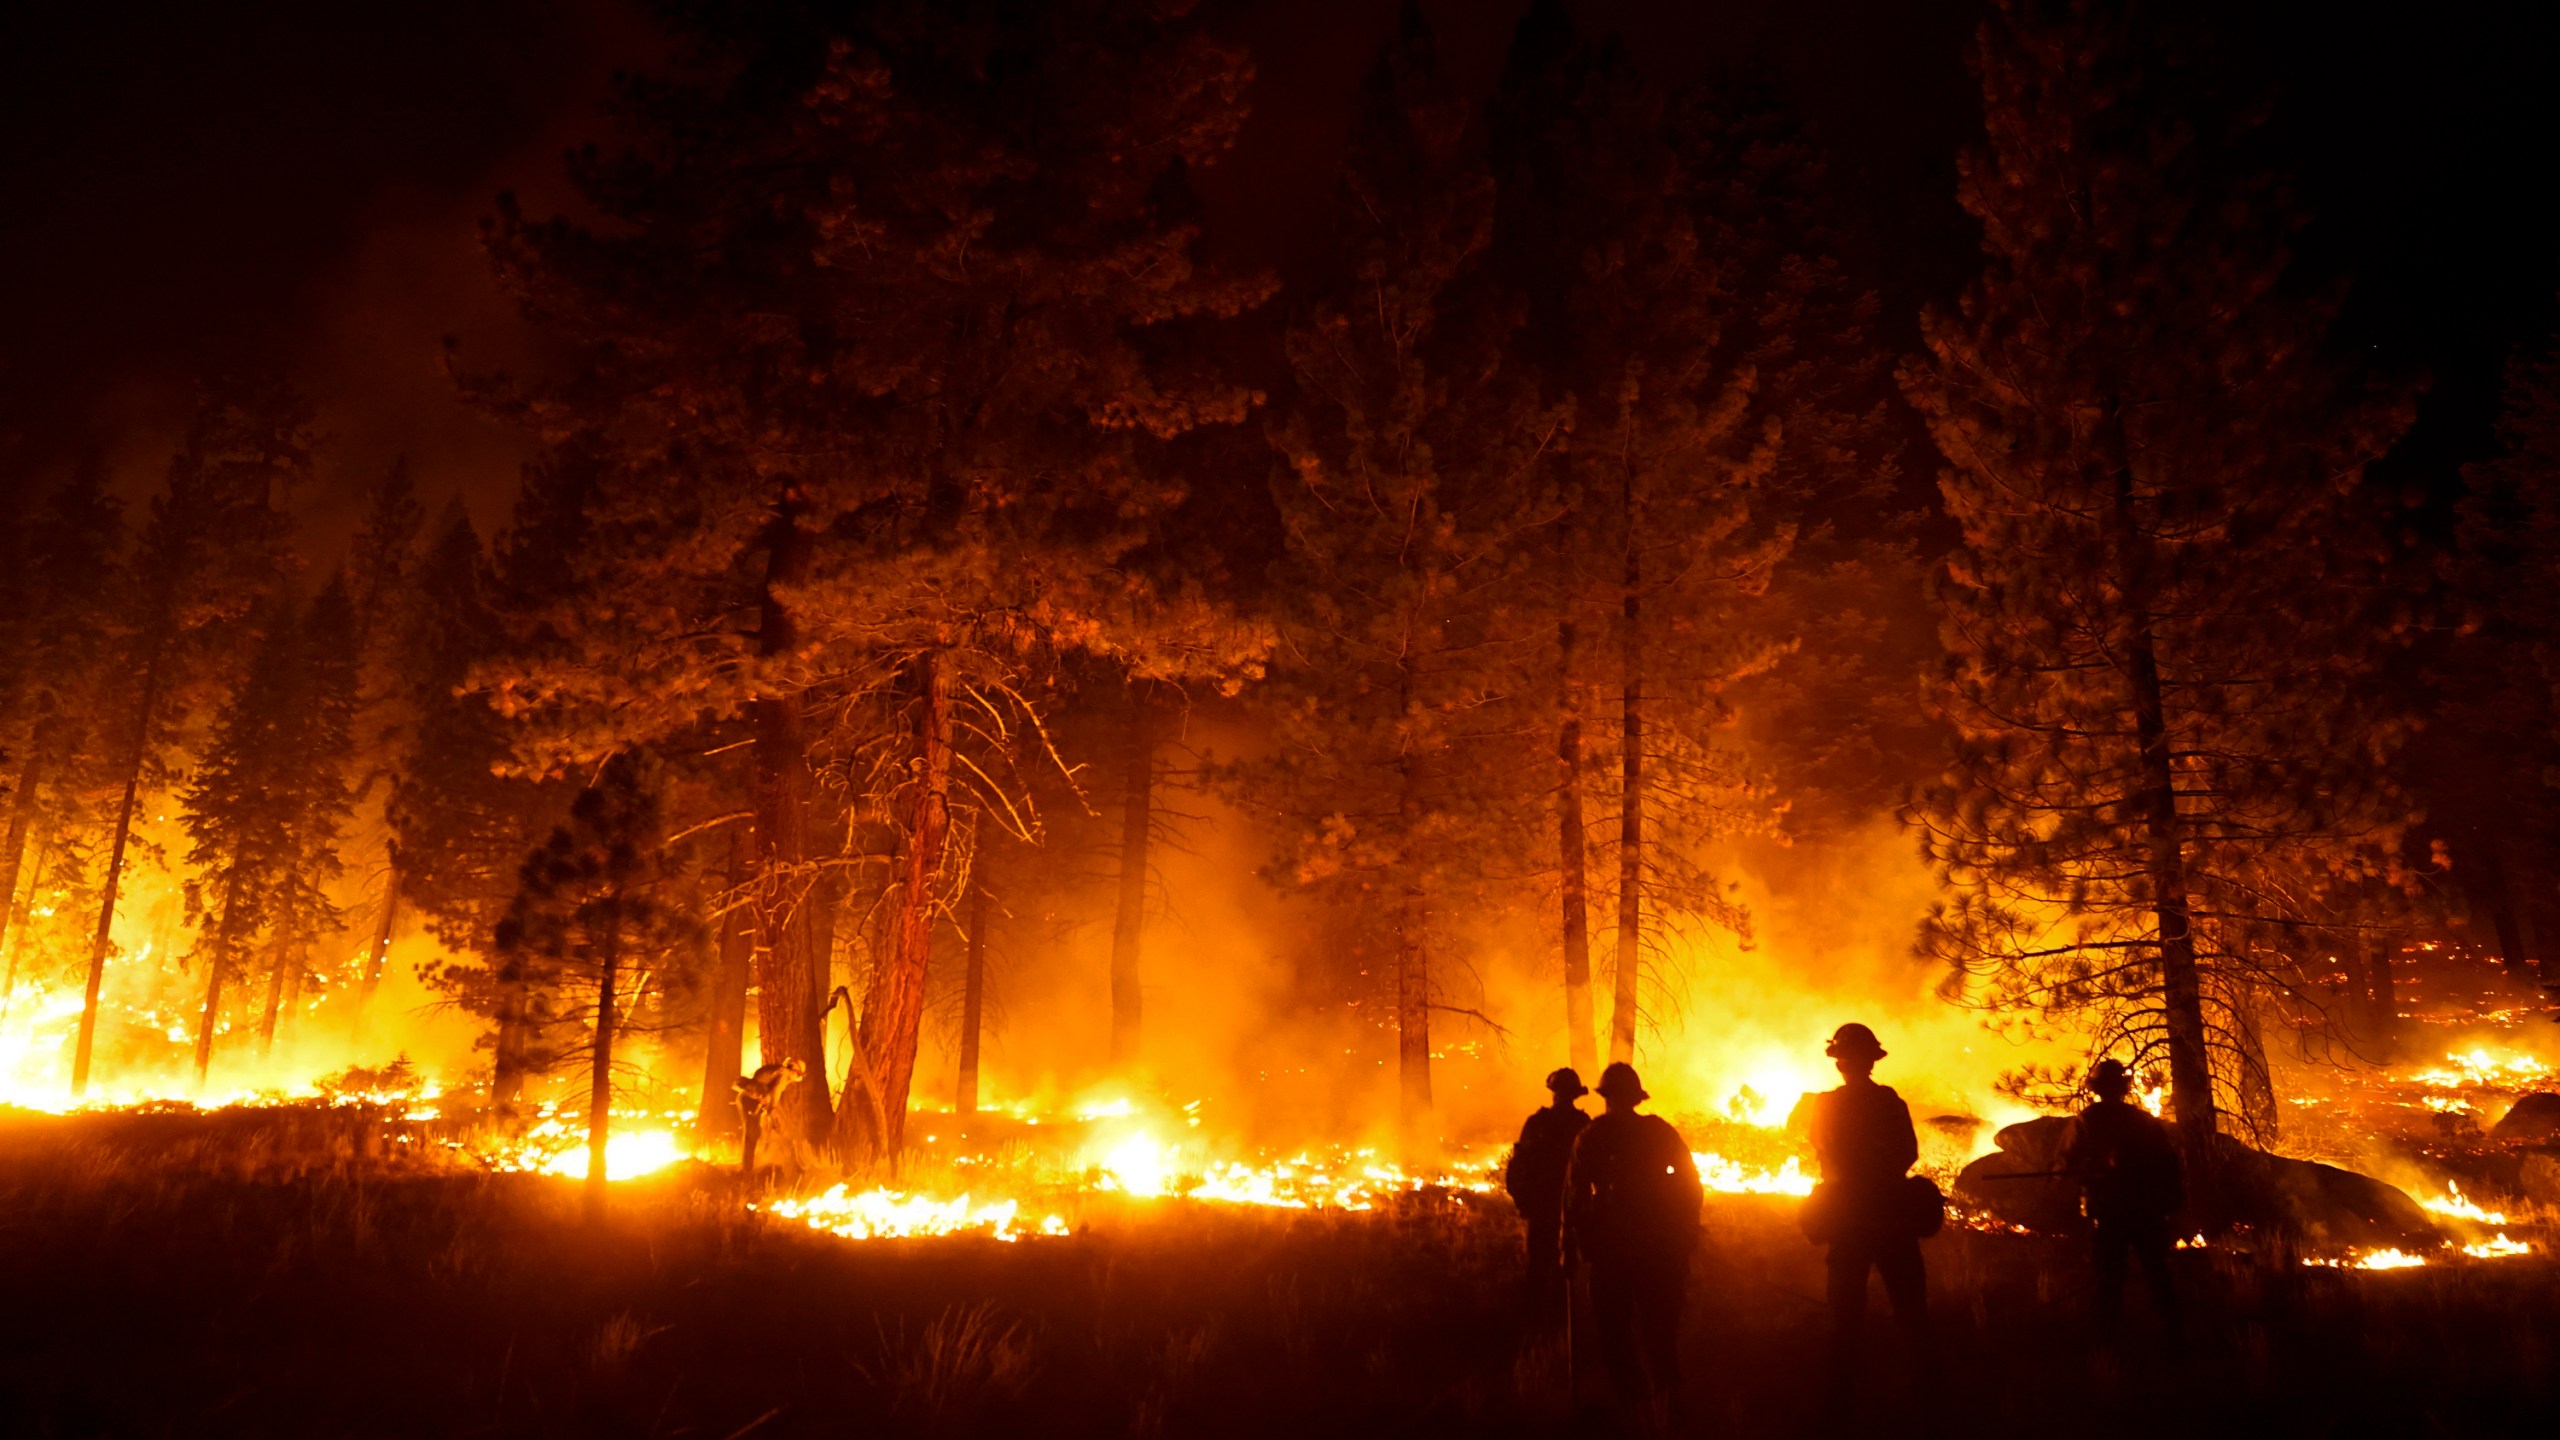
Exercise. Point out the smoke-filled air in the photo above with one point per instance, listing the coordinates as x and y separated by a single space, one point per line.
1068 666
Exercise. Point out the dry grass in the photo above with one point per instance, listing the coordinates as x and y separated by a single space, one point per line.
209 1278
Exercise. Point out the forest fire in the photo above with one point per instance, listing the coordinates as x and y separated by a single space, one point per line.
1165 718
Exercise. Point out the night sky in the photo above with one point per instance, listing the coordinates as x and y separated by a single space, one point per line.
299 184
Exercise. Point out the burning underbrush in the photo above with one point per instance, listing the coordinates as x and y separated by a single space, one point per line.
270 1271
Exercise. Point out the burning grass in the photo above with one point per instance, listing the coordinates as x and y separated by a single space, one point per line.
263 1272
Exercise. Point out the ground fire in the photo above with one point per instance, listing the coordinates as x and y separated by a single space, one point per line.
1149 718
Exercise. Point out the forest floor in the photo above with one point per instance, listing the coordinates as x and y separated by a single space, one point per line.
183 1275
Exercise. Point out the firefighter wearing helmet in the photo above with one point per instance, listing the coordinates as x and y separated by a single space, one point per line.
1632 1200
1867 1209
1534 1177
2130 1185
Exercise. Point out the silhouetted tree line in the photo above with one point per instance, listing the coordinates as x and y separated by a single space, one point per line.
917 490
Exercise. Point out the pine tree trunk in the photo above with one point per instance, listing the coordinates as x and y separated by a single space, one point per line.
378 953
2515 876
508 1061
2164 855
973 982
22 910
1630 958
1571 862
822 905
2384 988
1413 969
790 1008
724 1053
105 937
13 845
1128 929
204 1023
2493 893
893 1007
275 1003
218 961
600 1081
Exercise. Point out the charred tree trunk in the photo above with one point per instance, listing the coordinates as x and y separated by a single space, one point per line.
2492 892
823 906
790 981
204 1023
218 962
22 910
1413 969
2518 882
973 981
724 1050
1413 955
1129 926
13 845
509 1062
276 979
1572 864
600 1060
1630 958
894 1005
105 937
2164 852
379 952
2383 990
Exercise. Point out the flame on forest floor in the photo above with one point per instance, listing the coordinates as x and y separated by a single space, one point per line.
882 1214
640 1143
2483 1068
2395 1258
1127 1159
2390 1258
2459 1206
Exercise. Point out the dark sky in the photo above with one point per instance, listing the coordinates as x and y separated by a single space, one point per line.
300 181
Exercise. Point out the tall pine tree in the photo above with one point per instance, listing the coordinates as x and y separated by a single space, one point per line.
216 545
885 307
2164 618
263 809
1408 486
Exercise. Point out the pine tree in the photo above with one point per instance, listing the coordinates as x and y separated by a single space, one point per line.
380 570
1678 304
313 798
63 623
863 373
583 932
263 808
2164 618
2496 682
1405 497
461 820
215 545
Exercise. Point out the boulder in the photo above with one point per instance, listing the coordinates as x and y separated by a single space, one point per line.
2535 1117
2321 1204
2017 1181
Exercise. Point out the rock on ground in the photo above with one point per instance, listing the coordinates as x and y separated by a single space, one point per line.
2320 1204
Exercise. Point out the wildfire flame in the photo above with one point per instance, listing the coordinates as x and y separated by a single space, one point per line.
2481 1067
2461 1207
